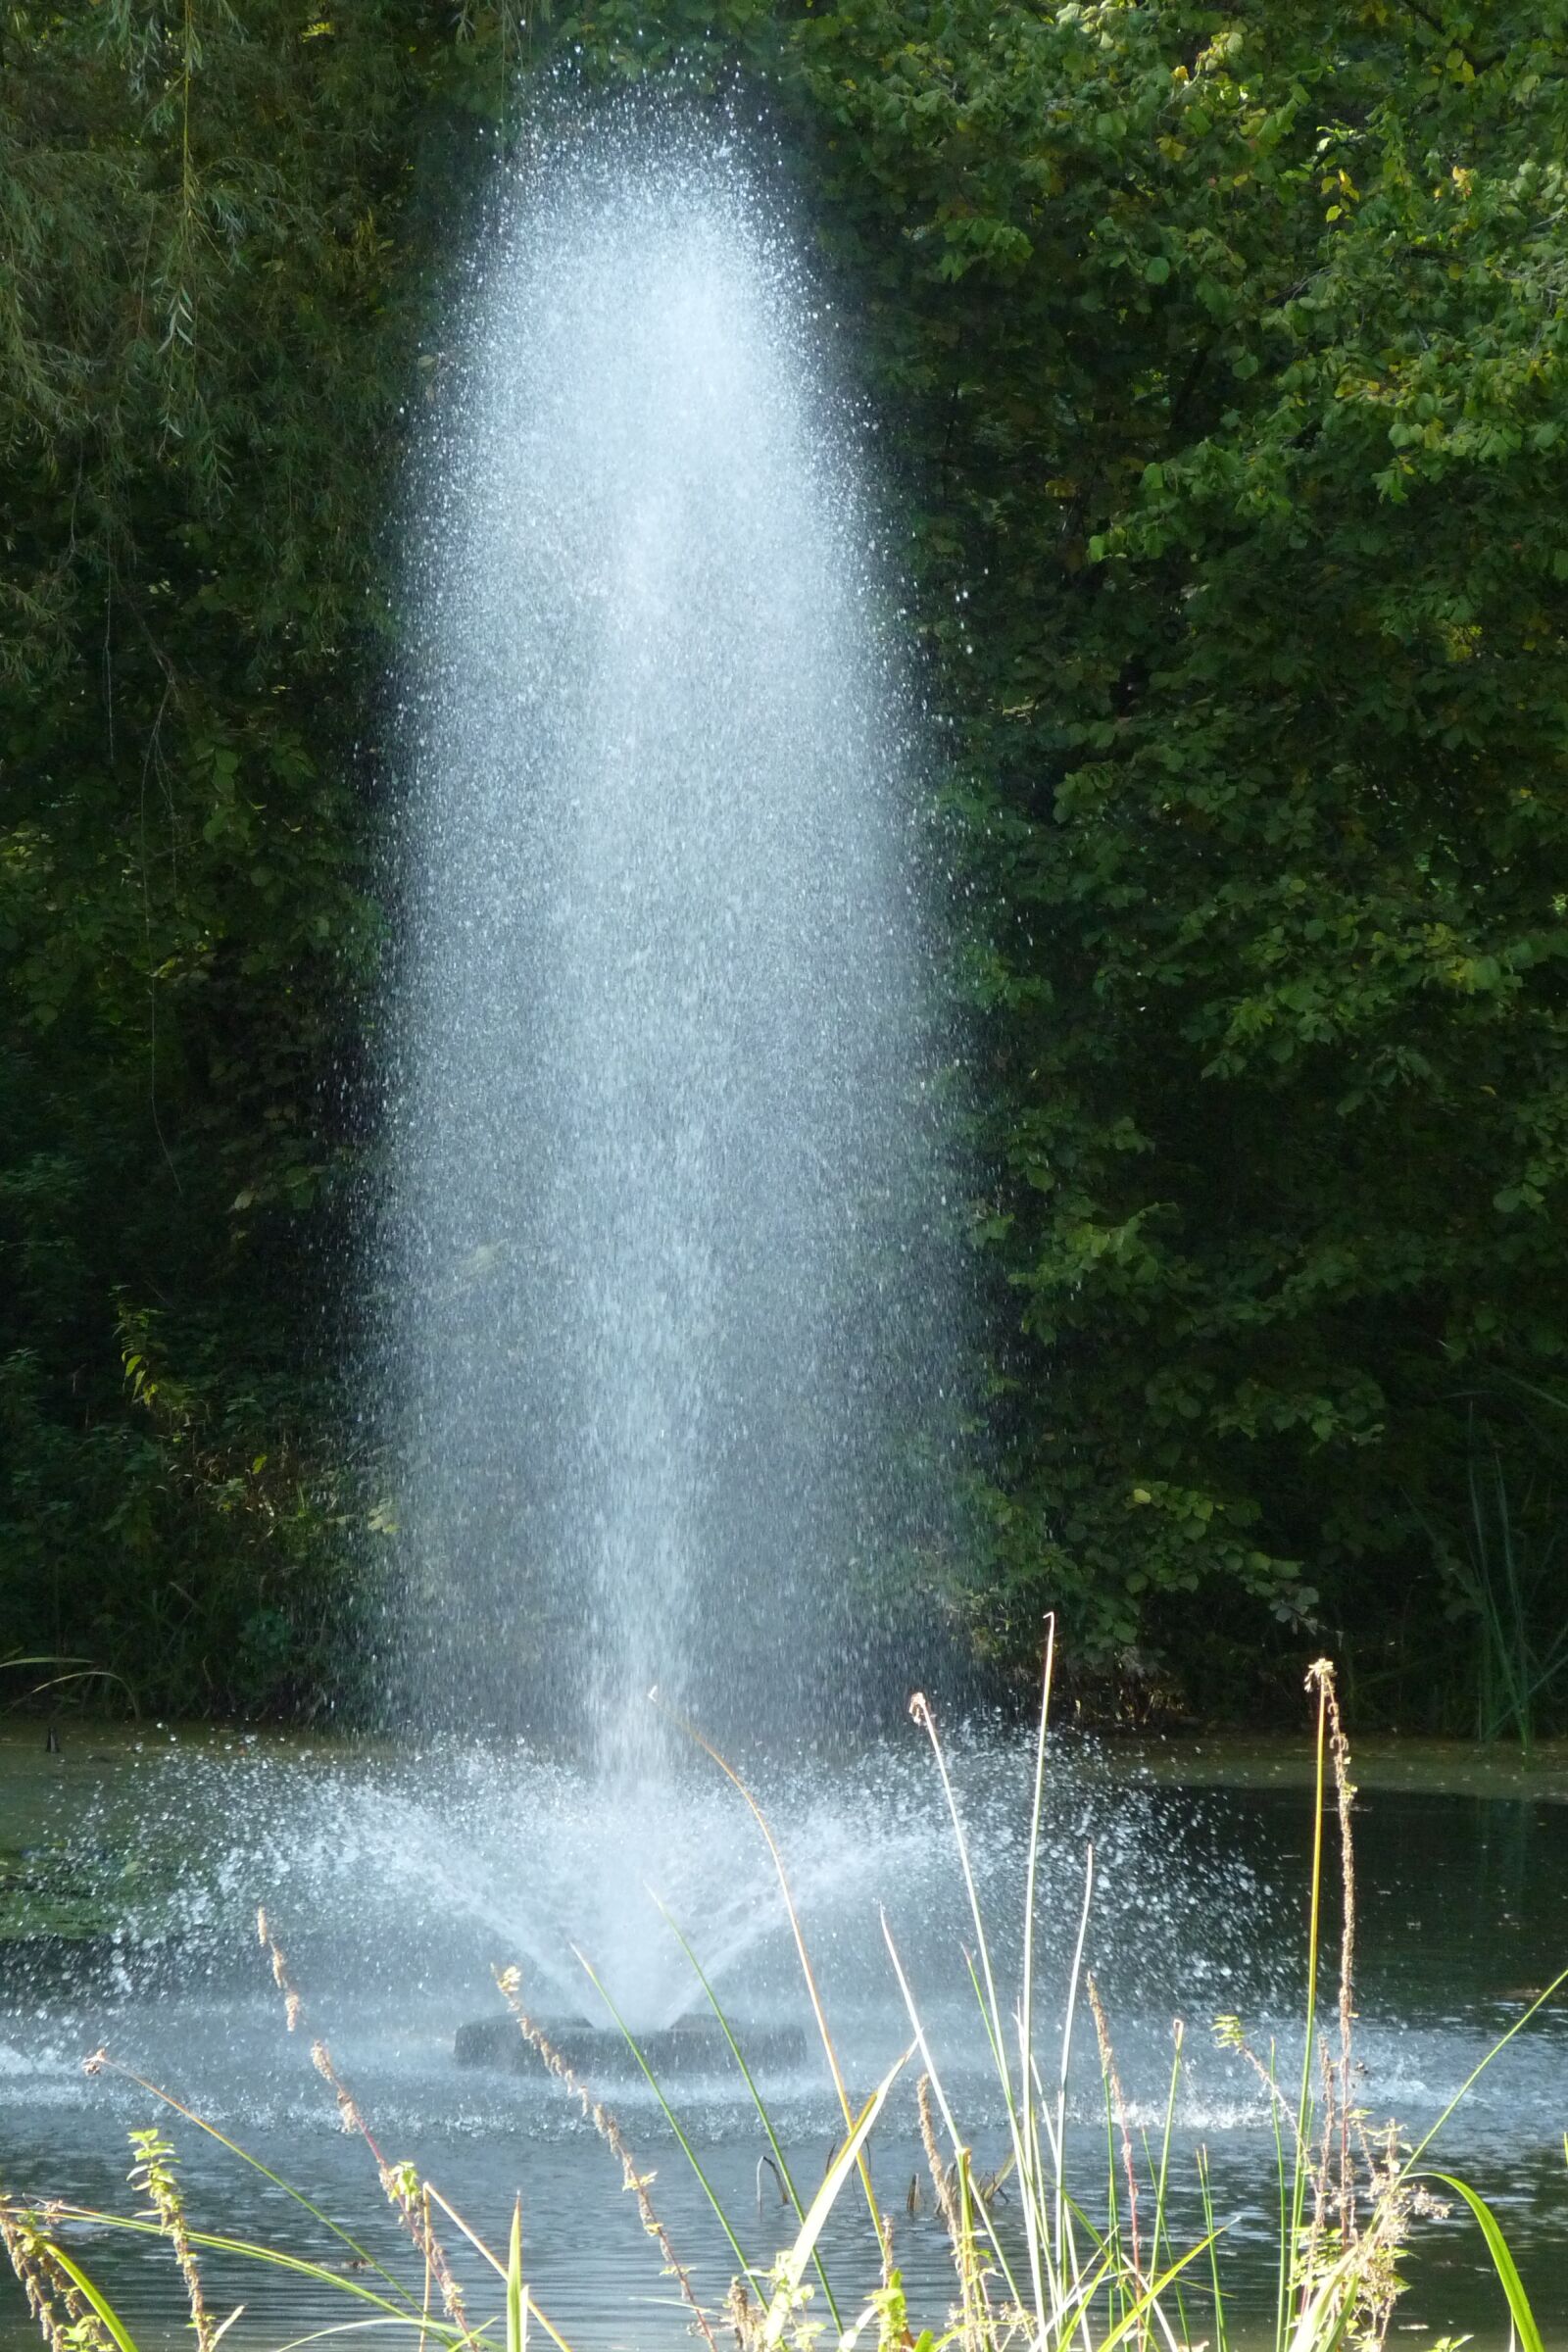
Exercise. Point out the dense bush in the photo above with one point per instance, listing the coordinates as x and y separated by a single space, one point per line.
1227 353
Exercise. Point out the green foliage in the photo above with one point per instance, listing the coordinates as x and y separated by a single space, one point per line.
1222 357
1232 353
211 239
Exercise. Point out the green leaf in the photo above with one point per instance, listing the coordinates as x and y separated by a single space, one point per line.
1502 2262
792 2268
119 2334
516 2297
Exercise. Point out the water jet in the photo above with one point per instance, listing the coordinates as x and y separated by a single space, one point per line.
672 1328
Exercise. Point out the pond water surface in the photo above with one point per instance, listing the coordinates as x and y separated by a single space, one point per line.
133 1862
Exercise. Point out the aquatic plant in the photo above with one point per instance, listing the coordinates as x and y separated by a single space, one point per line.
1502 1564
1347 2199
1094 2264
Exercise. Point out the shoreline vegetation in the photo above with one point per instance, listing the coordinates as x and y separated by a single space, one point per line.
1058 2262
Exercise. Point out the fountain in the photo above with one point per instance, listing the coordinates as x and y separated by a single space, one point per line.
663 1171
669 1319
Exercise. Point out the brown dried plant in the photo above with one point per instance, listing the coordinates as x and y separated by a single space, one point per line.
610 2131
401 2184
955 2193
61 2312
1112 2082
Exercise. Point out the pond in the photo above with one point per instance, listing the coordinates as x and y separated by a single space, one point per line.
131 1864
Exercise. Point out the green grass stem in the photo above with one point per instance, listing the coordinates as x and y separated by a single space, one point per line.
803 1953
274 2180
670 2115
757 2101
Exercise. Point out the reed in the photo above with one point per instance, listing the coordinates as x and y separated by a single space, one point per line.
1058 2280
1503 1564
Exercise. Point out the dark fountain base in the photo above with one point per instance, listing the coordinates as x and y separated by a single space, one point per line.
595 2053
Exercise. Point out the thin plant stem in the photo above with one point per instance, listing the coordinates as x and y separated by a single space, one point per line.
1116 2115
804 1956
757 2102
1040 2267
934 2078
1064 2244
1318 1678
101 2062
670 2115
1475 2072
1207 2193
610 2131
1161 2224
1029 2178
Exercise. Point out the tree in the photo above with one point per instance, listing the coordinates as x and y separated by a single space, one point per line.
1230 351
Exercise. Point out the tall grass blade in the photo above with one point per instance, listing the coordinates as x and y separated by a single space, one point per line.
670 2116
1045 2259
920 1709
1475 2072
1526 2327
90 2294
1216 2284
1029 2178
793 2267
1147 2305
949 2120
801 1952
86 1672
1317 1678
517 2296
295 2264
1161 2178
479 2246
757 2101
1063 2254
1329 2309
319 2336
177 2107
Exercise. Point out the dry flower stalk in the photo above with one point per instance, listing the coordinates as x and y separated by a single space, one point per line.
154 2174
400 2182
64 2319
604 2122
1107 2066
